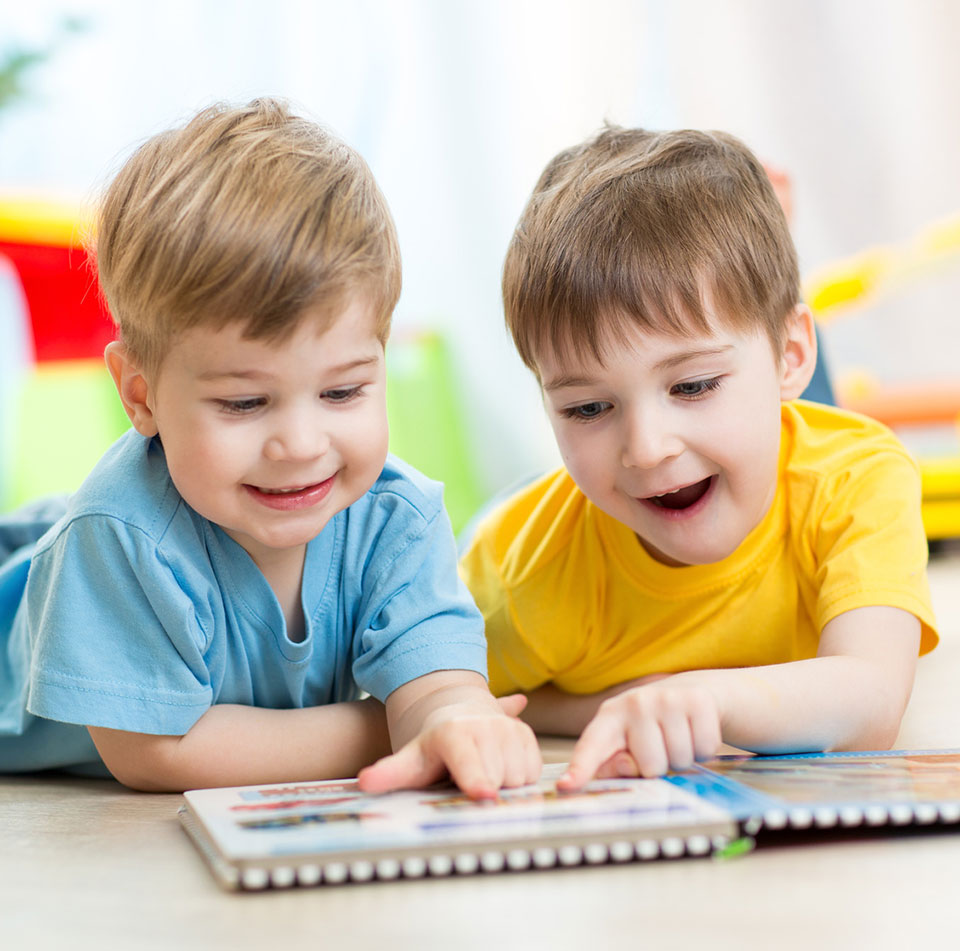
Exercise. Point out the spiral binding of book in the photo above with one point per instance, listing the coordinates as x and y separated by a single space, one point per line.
256 878
852 817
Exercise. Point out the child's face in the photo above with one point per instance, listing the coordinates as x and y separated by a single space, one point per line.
675 437
268 440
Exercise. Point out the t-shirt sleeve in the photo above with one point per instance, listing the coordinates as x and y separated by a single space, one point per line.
513 661
417 616
117 642
869 541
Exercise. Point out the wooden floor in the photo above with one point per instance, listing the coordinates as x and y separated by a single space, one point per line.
89 865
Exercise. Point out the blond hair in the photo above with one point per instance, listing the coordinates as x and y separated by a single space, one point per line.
247 214
655 229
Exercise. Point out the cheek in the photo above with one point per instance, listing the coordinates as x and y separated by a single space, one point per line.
740 432
575 452
563 443
751 451
380 445
369 436
197 453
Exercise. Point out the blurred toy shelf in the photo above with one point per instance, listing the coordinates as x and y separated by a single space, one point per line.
58 408
856 283
43 238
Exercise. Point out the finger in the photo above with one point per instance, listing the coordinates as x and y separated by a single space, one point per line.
677 740
521 756
705 728
601 739
508 755
528 763
469 768
513 705
491 748
533 760
408 768
510 746
620 766
646 745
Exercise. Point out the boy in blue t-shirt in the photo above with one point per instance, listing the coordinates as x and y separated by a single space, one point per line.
239 567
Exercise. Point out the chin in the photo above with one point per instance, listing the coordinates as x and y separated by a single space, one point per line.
718 555
285 539
699 556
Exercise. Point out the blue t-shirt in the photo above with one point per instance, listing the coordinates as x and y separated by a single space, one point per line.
133 612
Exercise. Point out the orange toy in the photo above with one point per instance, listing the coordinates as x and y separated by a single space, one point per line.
905 404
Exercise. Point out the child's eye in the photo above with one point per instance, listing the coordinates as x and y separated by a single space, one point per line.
693 389
342 394
239 407
586 411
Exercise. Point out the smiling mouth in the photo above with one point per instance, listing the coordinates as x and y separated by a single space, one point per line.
290 499
680 499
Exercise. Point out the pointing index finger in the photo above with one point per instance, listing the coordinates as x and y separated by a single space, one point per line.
602 738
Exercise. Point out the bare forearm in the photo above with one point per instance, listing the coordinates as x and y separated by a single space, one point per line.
237 745
825 703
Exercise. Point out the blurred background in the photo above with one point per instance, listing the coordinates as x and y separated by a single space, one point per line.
457 105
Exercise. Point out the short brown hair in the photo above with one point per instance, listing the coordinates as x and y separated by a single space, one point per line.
635 228
245 213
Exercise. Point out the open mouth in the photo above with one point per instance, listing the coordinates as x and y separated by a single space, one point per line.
681 499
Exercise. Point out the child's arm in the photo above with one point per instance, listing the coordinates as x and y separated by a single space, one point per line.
234 745
851 696
449 721
444 721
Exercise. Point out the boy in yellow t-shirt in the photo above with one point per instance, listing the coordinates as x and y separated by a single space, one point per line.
716 561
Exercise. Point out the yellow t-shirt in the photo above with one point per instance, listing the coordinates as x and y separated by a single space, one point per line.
571 596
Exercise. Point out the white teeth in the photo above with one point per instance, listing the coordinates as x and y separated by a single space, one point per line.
282 491
662 494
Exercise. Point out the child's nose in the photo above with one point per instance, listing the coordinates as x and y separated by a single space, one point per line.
648 441
297 436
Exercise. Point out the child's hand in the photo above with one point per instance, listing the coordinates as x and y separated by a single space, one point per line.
645 731
480 743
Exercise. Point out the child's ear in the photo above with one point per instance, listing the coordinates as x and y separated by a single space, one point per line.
799 357
133 387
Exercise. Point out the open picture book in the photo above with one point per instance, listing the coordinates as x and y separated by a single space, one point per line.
255 837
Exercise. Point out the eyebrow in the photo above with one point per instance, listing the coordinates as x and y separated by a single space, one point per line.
677 358
667 363
254 374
